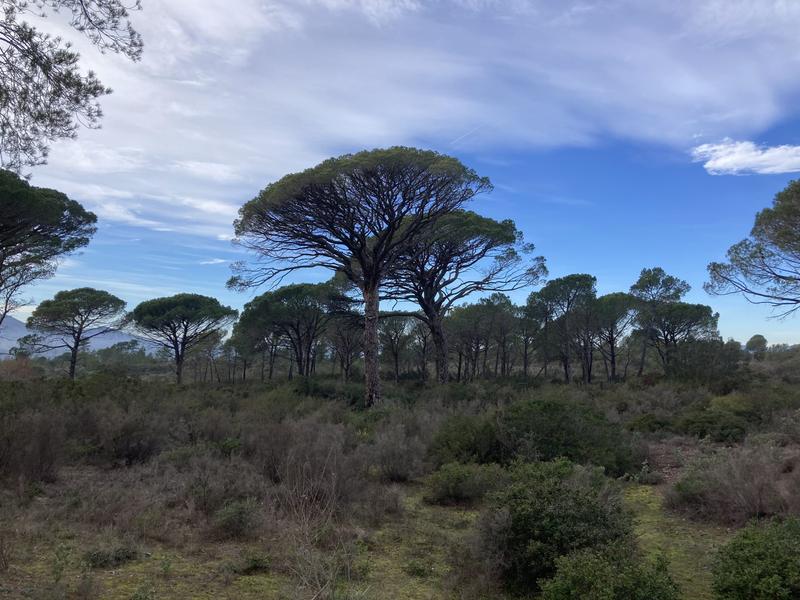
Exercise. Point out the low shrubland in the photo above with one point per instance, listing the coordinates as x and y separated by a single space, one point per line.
298 478
739 484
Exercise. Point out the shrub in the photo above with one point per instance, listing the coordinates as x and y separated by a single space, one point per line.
717 425
110 556
551 427
547 511
248 563
31 445
762 562
466 439
235 520
397 453
456 483
737 485
648 423
613 572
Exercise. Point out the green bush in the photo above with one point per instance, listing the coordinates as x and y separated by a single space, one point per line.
236 519
553 509
614 572
762 562
560 426
466 439
456 483
648 423
106 557
717 425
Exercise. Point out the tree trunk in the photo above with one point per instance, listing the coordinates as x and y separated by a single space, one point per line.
372 378
179 369
641 360
73 360
441 351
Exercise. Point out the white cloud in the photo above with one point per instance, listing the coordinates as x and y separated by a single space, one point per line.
208 170
214 261
228 98
731 157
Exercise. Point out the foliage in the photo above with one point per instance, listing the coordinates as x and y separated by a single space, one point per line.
551 426
613 572
355 215
764 267
553 509
181 322
464 438
457 483
737 485
45 97
37 226
718 425
762 562
111 556
72 318
236 519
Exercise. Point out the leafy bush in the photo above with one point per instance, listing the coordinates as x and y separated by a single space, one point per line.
456 483
762 562
466 439
551 427
613 572
717 425
549 510
110 556
737 485
236 520
648 423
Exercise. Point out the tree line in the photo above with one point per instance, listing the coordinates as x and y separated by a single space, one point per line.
392 226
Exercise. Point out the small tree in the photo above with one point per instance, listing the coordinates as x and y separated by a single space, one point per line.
765 268
461 254
615 315
37 226
568 298
676 323
394 336
181 322
653 290
356 215
345 333
757 346
72 318
299 313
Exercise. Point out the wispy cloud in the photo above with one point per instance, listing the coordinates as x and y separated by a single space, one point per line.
214 261
731 157
219 107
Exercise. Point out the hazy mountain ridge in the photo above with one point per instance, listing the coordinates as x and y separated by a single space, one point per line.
12 329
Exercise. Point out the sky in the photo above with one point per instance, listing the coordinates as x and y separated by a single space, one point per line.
618 134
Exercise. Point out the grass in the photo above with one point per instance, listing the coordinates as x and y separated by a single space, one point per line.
689 546
406 559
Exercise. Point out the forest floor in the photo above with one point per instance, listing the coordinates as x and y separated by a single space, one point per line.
407 558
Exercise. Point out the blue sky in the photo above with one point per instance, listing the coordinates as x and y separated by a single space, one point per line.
619 134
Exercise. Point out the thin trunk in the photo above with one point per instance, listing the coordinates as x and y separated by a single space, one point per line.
441 351
372 379
73 360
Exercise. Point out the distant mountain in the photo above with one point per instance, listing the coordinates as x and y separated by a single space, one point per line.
12 329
